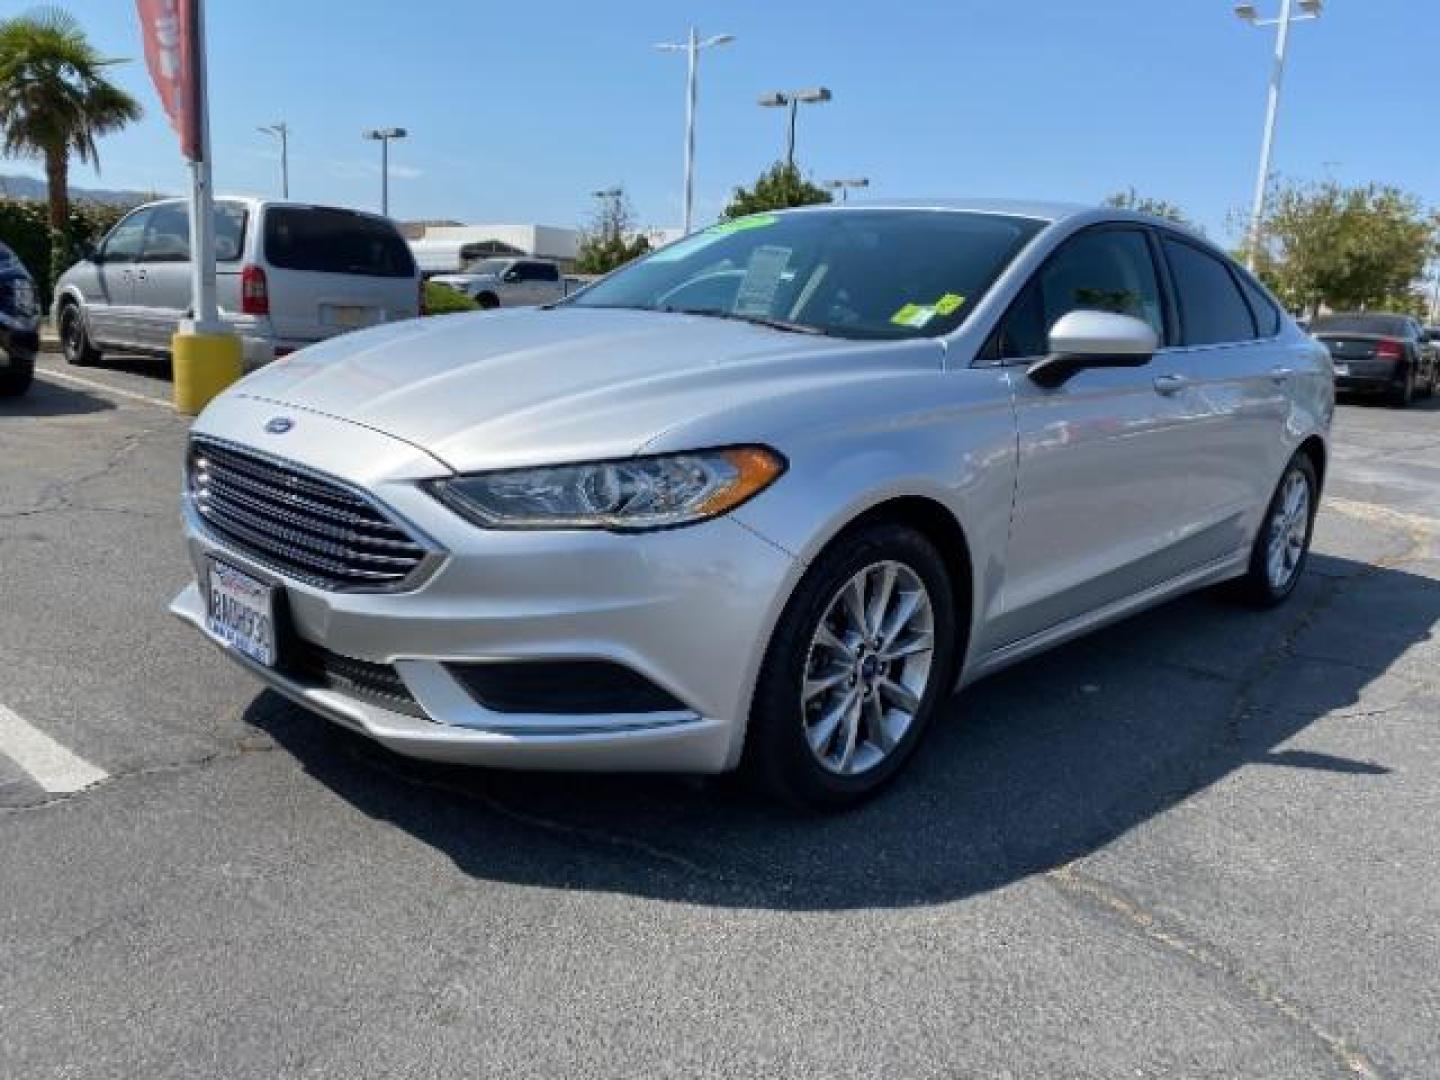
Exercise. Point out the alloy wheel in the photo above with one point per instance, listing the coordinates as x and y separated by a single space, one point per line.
867 669
1289 531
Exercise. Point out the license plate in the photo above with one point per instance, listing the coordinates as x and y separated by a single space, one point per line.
1342 369
240 612
351 317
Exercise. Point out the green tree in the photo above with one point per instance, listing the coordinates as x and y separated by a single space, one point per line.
609 240
778 187
1345 247
1130 199
55 101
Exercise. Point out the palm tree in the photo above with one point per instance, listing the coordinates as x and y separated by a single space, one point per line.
56 101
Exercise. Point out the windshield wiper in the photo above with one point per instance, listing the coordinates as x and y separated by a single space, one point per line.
756 320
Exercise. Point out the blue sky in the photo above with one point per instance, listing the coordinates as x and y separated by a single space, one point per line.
518 110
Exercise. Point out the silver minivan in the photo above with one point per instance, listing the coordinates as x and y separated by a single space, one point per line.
288 274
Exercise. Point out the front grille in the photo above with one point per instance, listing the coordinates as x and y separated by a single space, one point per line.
298 522
376 683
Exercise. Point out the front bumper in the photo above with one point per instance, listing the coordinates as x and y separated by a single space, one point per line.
689 609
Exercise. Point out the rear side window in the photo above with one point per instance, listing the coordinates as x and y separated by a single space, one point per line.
1389 325
1100 270
1212 311
328 241
1267 316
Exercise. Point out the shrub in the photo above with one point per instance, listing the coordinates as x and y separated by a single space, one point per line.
443 300
25 228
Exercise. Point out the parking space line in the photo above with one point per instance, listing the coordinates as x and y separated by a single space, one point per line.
91 384
52 766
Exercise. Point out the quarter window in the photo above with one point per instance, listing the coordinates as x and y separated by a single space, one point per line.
1101 270
1267 316
1212 311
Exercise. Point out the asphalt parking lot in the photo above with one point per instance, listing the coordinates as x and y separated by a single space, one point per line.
1199 844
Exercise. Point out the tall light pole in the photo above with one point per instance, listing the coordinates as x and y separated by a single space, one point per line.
383 136
281 131
793 99
1311 10
692 48
844 186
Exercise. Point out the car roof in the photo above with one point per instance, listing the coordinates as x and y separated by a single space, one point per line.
253 202
1039 210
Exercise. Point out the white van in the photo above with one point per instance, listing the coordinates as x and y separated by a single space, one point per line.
287 274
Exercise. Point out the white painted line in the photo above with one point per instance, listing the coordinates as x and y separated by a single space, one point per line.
91 384
53 767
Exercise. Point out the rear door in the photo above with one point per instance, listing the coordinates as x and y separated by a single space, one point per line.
1239 380
330 270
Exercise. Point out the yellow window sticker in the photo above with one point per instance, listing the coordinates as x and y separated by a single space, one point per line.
949 304
754 221
913 315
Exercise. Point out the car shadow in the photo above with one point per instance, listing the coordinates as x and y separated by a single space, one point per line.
46 398
1028 770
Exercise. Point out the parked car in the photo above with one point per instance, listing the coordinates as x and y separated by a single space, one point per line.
19 325
1377 353
287 275
493 283
915 444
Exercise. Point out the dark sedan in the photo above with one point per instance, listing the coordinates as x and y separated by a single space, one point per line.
19 325
1379 354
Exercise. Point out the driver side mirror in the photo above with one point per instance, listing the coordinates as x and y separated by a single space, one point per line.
1093 339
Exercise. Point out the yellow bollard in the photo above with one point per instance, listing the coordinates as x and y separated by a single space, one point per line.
204 364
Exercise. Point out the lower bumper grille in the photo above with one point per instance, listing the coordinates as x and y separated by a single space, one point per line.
379 684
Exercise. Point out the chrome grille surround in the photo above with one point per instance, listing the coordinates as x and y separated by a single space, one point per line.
301 523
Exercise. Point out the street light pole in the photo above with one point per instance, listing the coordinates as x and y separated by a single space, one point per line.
1246 12
383 136
692 48
281 130
793 99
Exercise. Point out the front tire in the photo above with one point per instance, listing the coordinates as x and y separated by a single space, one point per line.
487 301
75 339
1282 546
17 377
862 658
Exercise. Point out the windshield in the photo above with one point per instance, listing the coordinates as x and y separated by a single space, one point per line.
1360 324
493 267
850 273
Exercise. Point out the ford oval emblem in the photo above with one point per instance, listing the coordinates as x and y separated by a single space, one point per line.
278 425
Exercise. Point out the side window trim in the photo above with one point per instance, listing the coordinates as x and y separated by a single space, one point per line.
989 354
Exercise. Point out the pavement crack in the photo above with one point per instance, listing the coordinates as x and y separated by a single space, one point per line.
1077 884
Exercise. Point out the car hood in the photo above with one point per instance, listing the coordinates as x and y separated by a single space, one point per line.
528 386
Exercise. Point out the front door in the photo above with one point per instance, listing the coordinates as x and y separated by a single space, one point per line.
162 276
1103 458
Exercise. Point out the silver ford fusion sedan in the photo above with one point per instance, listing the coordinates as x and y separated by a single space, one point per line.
763 499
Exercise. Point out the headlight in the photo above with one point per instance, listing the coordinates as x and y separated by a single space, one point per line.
633 493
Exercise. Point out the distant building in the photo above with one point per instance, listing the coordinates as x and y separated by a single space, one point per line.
442 247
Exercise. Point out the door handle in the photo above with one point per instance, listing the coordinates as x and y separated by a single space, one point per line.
1170 384
1280 374
141 275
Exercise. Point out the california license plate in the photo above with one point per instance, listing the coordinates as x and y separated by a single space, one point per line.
351 317
241 613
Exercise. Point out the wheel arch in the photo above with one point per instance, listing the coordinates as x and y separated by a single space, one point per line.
1313 447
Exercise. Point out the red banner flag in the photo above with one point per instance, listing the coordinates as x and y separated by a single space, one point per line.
169 28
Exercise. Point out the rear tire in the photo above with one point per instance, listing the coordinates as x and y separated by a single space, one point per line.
75 339
861 660
1404 394
487 301
16 378
1282 545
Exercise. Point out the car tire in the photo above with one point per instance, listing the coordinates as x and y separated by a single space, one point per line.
487 301
1282 543
1430 384
1404 394
75 339
17 377
835 718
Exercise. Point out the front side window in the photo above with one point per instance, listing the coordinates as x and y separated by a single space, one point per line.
126 239
847 273
1100 270
1212 311
167 234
